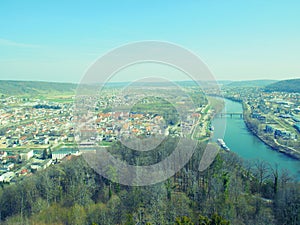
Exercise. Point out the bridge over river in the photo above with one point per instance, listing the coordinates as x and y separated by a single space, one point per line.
231 114
241 141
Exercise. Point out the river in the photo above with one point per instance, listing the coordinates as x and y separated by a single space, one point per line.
241 141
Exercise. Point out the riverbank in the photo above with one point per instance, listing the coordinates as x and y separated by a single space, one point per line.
271 143
275 146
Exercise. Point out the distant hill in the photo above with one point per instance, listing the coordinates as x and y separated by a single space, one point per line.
251 83
224 82
8 87
284 86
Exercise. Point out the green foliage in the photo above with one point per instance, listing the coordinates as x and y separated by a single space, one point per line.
184 221
72 193
251 83
129 220
214 220
157 106
284 86
8 87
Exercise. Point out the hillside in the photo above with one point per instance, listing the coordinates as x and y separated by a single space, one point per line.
8 87
226 193
42 88
284 86
251 83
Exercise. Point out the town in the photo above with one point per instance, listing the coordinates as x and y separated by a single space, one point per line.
36 133
272 116
39 132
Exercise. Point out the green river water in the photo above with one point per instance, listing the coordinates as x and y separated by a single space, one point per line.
241 141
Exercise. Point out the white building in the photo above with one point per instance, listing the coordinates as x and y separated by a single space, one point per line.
58 155
3 155
26 155
7 177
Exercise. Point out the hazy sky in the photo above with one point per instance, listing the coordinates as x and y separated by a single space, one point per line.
58 40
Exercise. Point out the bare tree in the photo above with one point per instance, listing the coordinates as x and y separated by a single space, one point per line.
261 172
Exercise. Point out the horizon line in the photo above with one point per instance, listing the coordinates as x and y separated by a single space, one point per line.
217 80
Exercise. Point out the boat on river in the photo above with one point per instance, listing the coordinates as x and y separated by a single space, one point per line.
223 145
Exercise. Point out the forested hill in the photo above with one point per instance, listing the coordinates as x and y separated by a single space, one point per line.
251 83
8 87
285 86
229 192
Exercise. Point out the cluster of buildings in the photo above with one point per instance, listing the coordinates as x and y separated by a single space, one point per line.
24 125
279 113
36 133
112 125
18 164
275 114
120 119
30 129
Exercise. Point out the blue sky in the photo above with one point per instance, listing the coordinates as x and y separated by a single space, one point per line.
58 40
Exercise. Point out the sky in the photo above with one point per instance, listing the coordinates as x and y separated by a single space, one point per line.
237 40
